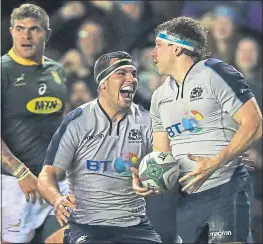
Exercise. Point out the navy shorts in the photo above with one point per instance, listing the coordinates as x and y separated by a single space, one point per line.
217 215
142 233
161 210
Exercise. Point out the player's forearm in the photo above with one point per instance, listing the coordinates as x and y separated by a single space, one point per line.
161 143
9 162
244 138
48 188
161 149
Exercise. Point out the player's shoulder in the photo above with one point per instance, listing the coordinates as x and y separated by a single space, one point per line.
213 63
162 89
139 112
6 61
79 111
83 117
139 109
218 67
49 61
73 115
89 107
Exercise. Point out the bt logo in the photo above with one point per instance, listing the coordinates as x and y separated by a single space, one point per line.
97 165
121 164
189 122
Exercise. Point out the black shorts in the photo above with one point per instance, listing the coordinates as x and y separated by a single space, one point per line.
217 215
142 233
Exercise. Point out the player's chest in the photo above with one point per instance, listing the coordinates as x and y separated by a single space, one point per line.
36 90
188 107
113 139
111 153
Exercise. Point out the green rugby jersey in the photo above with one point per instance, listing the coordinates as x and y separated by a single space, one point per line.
33 100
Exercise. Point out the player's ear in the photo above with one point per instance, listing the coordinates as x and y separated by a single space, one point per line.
11 30
177 50
49 32
103 86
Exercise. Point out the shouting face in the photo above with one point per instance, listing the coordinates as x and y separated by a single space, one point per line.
120 87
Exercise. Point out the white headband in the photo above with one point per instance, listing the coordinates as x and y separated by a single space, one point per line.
173 40
122 63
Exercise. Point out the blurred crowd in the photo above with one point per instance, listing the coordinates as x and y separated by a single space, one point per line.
83 30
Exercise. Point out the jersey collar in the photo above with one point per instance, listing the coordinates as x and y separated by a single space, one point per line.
21 60
194 68
109 119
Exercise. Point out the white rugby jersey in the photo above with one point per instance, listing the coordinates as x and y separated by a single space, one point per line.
197 116
96 154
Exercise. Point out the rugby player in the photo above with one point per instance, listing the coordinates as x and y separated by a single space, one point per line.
96 145
207 116
33 99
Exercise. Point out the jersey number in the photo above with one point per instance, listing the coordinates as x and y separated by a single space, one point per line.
42 89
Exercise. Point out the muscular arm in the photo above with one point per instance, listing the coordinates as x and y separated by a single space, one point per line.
9 162
250 130
58 159
48 183
161 142
26 180
48 188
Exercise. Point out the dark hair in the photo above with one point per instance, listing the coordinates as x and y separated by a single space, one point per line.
28 10
103 61
88 21
187 29
258 47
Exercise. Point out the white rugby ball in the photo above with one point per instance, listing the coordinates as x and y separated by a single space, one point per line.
159 171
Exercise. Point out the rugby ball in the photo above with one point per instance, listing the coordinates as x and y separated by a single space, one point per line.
159 171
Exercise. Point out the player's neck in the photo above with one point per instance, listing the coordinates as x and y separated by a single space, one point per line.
38 59
113 114
181 69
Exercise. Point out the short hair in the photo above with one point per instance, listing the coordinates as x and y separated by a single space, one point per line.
187 29
103 61
28 10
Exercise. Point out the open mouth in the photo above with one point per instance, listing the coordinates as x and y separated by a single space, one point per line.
127 91
27 45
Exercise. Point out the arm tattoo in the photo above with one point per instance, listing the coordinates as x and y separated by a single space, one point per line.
9 162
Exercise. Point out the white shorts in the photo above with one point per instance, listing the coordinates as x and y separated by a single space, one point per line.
20 219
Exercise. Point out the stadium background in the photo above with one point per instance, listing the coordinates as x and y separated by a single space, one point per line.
82 30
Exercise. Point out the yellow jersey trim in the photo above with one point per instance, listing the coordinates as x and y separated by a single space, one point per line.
21 60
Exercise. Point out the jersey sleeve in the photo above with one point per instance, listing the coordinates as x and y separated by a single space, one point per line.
229 86
150 141
63 74
157 124
149 136
4 81
63 145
